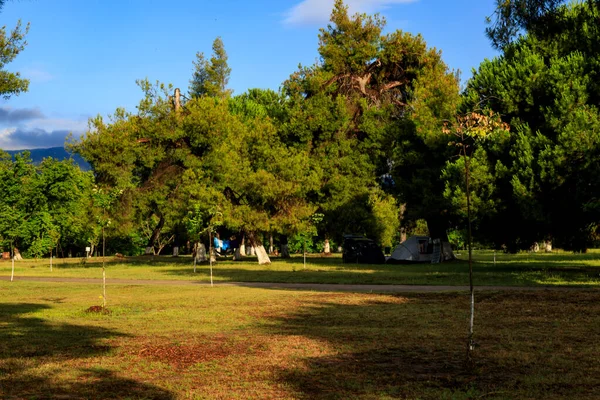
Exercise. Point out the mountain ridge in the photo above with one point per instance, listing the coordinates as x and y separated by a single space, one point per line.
58 153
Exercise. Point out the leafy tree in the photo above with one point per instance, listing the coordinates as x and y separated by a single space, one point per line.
372 113
514 17
42 207
545 172
210 78
469 129
143 156
11 44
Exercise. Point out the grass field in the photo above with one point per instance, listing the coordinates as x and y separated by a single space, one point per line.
526 269
225 343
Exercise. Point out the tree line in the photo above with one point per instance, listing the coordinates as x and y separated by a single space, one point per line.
358 143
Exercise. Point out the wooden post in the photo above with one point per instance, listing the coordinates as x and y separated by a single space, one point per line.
103 271
12 257
210 256
470 344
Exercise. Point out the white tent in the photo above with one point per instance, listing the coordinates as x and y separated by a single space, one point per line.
421 249
414 249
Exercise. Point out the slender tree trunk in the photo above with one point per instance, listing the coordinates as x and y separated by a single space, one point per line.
12 261
17 254
285 250
103 271
470 343
156 232
50 260
261 253
326 248
212 257
270 243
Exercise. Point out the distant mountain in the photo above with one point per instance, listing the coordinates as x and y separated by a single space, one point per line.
58 153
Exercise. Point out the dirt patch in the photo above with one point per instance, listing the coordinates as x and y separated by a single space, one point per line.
98 310
183 355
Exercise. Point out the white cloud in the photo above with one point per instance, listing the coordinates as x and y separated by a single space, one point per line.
58 124
38 132
319 11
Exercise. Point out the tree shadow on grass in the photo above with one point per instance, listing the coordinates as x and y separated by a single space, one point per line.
33 351
408 347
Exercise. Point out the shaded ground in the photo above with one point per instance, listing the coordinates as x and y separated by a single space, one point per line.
34 351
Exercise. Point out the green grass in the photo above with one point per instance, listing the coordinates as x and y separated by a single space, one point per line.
163 342
525 269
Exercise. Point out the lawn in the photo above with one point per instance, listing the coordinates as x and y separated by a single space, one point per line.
185 342
525 269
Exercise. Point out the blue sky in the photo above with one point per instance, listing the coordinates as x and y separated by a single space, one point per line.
84 56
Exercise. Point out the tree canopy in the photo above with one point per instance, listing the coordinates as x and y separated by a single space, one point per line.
543 175
356 143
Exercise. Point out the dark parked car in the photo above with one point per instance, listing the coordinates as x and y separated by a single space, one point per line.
359 249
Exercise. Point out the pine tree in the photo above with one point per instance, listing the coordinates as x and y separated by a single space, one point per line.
210 78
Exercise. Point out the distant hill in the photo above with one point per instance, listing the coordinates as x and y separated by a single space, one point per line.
58 153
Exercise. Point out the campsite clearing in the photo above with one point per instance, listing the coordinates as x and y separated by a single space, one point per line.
200 342
525 269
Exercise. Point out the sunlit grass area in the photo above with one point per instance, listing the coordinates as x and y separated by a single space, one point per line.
162 342
490 268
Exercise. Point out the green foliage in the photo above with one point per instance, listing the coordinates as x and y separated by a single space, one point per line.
11 44
43 207
545 173
457 238
371 114
301 242
210 77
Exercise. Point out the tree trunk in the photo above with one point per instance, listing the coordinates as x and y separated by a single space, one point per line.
200 252
17 254
251 250
437 230
242 248
285 250
402 227
402 234
261 253
270 243
548 246
263 257
326 248
156 232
